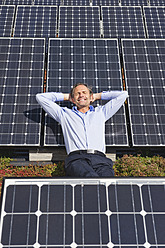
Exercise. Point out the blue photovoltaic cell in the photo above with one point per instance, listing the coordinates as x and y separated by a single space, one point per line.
21 78
6 20
95 213
105 2
144 63
134 2
91 61
47 2
82 22
76 2
18 2
122 22
157 2
36 21
155 21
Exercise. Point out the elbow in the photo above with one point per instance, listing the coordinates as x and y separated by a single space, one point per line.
38 97
125 93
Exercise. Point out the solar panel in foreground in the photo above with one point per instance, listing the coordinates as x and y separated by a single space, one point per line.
144 64
83 213
22 72
92 61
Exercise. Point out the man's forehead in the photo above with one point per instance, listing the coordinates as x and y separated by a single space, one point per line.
81 88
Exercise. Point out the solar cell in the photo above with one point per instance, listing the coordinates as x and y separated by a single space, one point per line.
155 21
6 20
76 2
156 2
105 2
122 22
92 61
79 21
134 2
144 62
47 2
36 21
83 213
18 2
22 71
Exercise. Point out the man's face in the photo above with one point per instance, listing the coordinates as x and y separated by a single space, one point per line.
82 97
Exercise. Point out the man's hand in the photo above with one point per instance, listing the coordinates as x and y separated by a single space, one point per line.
67 97
96 96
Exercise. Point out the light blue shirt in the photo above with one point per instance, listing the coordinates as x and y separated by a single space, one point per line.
82 131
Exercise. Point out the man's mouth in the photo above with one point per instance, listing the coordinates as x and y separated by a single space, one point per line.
81 100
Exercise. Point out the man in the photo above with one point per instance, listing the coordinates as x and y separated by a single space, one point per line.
83 128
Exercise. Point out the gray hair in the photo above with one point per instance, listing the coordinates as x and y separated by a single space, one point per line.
88 87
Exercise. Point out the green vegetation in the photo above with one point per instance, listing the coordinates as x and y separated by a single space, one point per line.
138 166
127 166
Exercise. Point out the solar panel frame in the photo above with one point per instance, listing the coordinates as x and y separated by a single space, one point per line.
22 74
6 20
145 84
154 21
66 66
116 212
122 22
30 19
79 21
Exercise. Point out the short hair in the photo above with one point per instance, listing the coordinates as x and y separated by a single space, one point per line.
86 85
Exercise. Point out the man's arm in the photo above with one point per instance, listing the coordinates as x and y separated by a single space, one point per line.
115 101
48 103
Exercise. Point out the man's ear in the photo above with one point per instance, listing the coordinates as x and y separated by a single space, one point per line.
72 100
91 98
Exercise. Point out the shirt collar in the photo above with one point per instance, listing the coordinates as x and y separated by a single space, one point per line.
91 108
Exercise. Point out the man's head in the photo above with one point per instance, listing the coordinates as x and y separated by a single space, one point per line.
81 95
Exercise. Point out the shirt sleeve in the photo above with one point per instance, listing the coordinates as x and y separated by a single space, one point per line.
116 100
47 101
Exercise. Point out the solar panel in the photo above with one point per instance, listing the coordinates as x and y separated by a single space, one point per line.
77 2
21 78
18 2
92 61
72 213
105 2
144 62
6 20
79 21
134 2
36 21
122 22
156 2
47 2
155 21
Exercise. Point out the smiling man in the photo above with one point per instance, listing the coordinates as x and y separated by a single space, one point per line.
83 128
